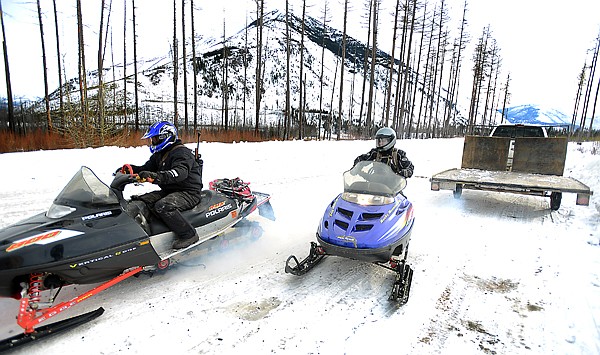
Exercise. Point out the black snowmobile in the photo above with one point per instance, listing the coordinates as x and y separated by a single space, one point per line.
88 236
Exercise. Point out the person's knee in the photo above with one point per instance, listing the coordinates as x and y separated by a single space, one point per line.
164 207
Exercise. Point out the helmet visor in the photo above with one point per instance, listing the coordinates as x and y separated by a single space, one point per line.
155 140
382 141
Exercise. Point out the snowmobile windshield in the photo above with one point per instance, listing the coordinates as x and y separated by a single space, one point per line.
373 178
84 190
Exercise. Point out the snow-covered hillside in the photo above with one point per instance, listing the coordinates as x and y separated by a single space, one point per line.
495 273
545 116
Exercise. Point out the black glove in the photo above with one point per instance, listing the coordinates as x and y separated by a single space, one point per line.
406 173
149 176
118 170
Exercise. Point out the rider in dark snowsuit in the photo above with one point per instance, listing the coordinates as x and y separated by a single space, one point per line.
384 151
173 167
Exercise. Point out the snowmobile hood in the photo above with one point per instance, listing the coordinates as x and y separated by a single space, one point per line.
372 212
85 217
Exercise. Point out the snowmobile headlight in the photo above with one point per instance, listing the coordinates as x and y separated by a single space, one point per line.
367 200
58 211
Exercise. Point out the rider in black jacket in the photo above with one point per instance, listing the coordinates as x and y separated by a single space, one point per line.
384 151
173 167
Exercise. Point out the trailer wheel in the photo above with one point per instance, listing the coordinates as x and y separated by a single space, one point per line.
555 199
457 191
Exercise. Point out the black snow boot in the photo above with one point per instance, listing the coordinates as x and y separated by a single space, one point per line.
184 243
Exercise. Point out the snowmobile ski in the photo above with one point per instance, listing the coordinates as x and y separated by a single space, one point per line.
299 268
50 329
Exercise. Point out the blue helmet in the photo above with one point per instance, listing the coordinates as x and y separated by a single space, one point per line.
162 134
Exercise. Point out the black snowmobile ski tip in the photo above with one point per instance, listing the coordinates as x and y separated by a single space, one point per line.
302 267
49 329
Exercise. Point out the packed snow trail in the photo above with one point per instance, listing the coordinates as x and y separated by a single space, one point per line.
494 273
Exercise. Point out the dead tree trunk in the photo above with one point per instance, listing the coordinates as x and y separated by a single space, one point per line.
45 69
365 64
59 65
194 67
259 29
323 34
125 62
185 87
391 70
175 65
81 69
135 71
339 123
370 119
100 76
286 123
11 115
301 86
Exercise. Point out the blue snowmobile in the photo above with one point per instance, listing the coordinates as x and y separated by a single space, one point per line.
370 221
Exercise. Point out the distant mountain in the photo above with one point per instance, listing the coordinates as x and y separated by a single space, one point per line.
538 115
155 77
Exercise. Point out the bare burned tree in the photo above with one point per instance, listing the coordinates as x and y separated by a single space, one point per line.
135 71
323 34
597 86
580 85
59 65
81 69
426 79
412 9
224 83
392 60
455 72
439 60
44 68
175 64
194 67
185 86
416 81
481 60
341 95
370 120
11 116
100 75
588 90
125 63
506 98
286 124
366 60
259 44
301 78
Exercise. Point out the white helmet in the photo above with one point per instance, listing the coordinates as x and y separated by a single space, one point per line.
385 139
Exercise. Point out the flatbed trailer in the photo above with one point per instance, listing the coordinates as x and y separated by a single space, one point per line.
530 166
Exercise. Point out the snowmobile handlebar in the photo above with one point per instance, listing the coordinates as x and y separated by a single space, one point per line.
122 179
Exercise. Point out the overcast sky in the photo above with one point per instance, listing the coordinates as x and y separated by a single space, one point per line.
544 43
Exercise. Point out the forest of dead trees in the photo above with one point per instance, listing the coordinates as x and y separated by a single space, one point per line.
422 78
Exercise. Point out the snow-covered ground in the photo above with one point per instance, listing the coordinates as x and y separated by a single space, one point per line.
494 273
